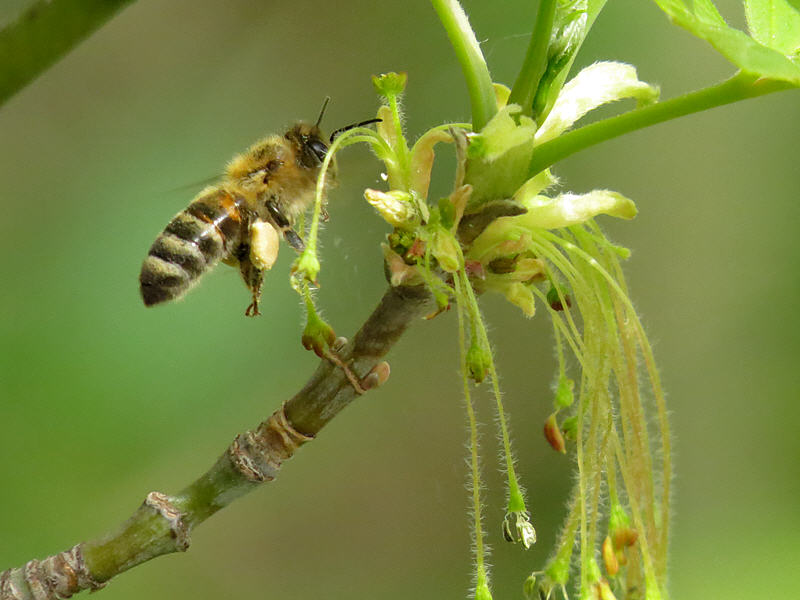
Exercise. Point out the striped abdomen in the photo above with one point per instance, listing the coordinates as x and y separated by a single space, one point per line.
197 238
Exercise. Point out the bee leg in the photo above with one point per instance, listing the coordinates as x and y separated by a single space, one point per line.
254 280
294 240
256 258
289 234
324 214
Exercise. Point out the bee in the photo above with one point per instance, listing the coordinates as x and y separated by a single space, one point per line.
240 221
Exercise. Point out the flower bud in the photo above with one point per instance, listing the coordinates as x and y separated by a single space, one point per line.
478 361
521 295
603 591
396 207
317 334
553 435
529 589
624 537
564 397
570 428
609 557
554 299
307 266
445 250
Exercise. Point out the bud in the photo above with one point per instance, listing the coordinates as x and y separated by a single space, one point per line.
570 428
521 295
553 435
417 250
474 269
554 299
610 557
307 266
564 396
529 269
398 272
478 361
603 591
529 589
619 528
378 375
624 537
317 334
396 207
445 250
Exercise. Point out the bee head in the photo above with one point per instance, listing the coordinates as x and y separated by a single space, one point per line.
308 140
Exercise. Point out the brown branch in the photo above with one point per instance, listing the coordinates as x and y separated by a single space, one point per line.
163 524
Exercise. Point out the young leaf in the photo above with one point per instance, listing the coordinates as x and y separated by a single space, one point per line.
774 23
743 51
708 13
597 84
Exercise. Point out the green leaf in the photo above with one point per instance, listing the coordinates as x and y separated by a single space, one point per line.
708 13
774 23
743 51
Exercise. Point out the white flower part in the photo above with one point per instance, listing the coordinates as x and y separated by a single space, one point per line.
264 244
395 206
521 295
598 84
535 185
570 209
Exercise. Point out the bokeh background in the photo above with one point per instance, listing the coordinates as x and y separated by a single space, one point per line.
102 401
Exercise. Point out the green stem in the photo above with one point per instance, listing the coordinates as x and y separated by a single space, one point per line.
535 58
44 33
473 65
738 87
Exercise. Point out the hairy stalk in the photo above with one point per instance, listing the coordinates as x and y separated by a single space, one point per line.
738 87
163 524
43 34
481 577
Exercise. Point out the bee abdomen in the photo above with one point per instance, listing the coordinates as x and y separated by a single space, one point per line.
195 240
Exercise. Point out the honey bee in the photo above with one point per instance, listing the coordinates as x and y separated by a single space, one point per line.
240 220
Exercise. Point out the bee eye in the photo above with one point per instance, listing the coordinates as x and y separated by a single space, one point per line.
318 148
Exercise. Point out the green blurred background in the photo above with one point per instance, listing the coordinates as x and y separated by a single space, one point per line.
102 401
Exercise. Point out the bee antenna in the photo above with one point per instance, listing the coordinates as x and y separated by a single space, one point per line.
353 126
322 110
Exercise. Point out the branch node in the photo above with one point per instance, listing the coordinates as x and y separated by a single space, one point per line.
258 454
59 576
163 505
